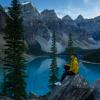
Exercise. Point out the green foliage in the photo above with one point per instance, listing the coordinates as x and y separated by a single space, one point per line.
14 62
93 56
53 68
70 49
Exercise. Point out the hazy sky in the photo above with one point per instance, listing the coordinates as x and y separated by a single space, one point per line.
87 8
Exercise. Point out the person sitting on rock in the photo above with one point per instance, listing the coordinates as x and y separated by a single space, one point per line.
69 69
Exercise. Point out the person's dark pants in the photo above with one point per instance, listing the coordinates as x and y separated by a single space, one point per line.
66 72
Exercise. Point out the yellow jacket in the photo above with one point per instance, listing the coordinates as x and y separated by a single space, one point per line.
74 65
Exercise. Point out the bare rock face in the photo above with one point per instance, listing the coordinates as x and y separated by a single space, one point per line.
45 23
79 19
33 25
68 21
96 92
73 88
48 15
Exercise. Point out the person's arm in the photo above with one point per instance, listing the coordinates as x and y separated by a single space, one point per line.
70 69
67 67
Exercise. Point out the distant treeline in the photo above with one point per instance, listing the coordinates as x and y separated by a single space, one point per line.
92 56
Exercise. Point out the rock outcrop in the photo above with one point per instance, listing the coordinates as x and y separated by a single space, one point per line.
73 88
96 92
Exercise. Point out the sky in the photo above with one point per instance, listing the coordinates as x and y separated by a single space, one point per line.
87 8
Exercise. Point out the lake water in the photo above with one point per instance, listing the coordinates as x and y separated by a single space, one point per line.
38 72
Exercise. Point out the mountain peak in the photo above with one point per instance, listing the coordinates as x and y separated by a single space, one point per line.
80 18
28 5
67 17
68 20
49 14
29 10
48 11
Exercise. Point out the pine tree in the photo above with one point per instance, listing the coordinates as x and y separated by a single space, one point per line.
53 68
70 49
14 62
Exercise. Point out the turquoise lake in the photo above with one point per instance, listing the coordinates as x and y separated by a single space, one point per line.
38 72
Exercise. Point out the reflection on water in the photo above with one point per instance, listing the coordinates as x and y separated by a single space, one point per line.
38 73
93 67
90 72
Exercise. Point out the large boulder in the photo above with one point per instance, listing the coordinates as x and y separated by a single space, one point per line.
73 88
96 92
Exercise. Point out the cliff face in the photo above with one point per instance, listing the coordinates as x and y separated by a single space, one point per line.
38 28
41 25
90 25
73 88
33 28
96 92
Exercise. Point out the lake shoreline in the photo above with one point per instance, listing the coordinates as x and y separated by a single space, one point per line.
88 62
31 58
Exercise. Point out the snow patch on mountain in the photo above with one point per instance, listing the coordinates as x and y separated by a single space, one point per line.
92 40
46 45
25 3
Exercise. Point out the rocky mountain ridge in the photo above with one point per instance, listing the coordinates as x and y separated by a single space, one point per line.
38 28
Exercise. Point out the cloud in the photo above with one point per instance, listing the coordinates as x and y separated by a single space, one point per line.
96 12
74 12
